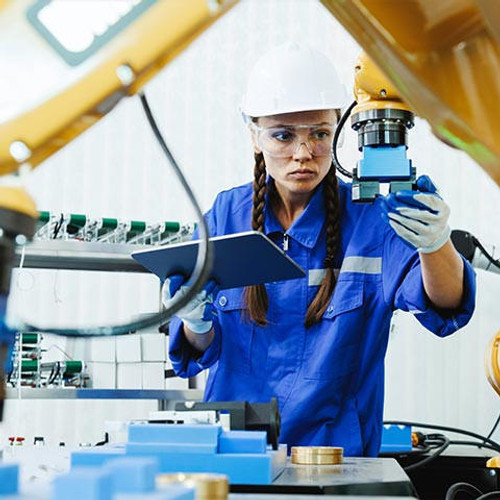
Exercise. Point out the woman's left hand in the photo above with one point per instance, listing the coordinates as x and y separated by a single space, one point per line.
419 217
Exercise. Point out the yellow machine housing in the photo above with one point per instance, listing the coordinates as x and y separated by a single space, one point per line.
444 58
372 89
492 362
48 101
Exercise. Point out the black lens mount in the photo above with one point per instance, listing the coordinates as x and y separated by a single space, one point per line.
382 127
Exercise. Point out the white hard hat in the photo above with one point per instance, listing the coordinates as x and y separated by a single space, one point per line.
291 78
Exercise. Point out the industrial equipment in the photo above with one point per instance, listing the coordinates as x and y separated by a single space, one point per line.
444 60
381 119
432 52
29 369
244 415
481 257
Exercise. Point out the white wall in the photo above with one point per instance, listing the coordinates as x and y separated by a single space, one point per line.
116 170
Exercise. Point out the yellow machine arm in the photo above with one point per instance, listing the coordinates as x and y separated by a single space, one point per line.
71 62
373 90
444 58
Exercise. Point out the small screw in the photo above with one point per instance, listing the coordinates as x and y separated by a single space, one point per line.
21 240
19 151
125 74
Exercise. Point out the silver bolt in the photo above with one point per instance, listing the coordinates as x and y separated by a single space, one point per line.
383 92
21 240
125 74
214 5
19 151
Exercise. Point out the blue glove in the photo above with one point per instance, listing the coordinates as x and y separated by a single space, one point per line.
419 217
197 315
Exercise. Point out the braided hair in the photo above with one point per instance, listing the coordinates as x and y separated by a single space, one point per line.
332 209
256 299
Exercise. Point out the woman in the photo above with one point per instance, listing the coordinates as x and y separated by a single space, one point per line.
317 343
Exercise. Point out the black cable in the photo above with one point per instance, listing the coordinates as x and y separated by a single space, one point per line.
415 452
336 136
473 443
445 443
489 496
456 488
58 226
495 425
104 441
200 275
50 375
494 444
56 373
476 242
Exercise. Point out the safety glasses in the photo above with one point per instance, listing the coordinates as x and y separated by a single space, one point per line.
284 141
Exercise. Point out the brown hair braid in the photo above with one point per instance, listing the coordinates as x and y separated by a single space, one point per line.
332 208
256 299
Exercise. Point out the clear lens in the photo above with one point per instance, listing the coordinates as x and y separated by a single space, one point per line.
284 141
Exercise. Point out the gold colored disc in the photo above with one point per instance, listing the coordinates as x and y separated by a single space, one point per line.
317 455
207 486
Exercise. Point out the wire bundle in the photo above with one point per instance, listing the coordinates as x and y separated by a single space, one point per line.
438 443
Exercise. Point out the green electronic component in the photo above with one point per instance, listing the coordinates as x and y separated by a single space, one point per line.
107 226
29 365
136 228
72 367
43 217
30 338
77 220
171 227
76 223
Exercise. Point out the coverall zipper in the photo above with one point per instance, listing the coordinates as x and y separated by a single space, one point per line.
285 242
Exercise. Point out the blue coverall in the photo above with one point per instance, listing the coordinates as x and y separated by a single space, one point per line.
329 378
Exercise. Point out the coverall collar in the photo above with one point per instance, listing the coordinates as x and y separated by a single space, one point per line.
307 227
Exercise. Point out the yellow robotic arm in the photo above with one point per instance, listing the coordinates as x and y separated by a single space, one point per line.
444 58
70 63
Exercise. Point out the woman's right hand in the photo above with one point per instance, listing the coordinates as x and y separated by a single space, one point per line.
197 314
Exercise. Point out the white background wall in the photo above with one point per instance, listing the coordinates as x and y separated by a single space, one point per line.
116 170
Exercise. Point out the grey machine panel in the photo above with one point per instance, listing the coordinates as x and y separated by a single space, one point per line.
356 476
